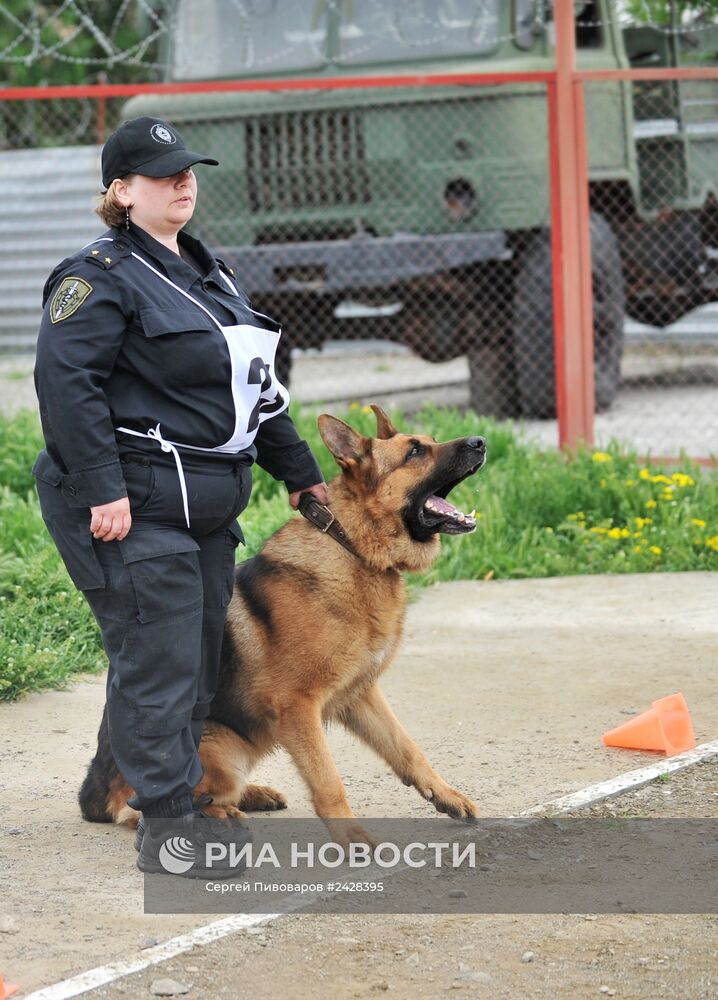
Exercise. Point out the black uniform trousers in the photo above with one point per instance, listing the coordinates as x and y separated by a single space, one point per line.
160 597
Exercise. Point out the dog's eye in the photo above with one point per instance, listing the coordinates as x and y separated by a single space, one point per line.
416 449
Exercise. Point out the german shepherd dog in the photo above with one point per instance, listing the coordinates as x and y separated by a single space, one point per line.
310 628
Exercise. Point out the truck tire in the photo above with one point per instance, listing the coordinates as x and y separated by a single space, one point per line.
533 321
492 378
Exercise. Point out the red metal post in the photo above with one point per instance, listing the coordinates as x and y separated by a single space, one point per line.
570 240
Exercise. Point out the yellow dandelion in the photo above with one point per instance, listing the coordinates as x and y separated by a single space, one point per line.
572 517
650 504
660 479
637 534
548 530
641 522
596 530
366 409
655 549
698 522
601 456
354 406
681 479
580 515
637 548
644 474
712 543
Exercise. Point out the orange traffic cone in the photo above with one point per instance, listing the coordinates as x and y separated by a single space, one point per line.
7 989
665 726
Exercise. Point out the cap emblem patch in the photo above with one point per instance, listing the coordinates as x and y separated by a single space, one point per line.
160 133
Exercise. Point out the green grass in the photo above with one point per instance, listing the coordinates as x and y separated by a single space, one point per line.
540 514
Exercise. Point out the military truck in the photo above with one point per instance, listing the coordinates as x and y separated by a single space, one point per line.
421 213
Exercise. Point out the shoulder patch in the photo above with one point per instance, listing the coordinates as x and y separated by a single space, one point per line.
68 298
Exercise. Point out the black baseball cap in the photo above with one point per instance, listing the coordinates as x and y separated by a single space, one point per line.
147 146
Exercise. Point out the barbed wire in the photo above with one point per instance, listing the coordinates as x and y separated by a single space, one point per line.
114 55
484 22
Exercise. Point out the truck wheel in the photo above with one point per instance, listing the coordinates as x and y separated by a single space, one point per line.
492 379
533 321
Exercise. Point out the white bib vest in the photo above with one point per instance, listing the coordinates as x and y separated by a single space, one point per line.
256 392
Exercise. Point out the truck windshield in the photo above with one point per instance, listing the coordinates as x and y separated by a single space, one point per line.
381 31
226 38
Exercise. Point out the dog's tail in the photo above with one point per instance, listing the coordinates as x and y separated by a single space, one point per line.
93 796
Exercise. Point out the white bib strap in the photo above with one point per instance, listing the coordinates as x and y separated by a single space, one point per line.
177 288
227 282
155 434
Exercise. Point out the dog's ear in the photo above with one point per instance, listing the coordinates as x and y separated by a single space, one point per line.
345 444
384 427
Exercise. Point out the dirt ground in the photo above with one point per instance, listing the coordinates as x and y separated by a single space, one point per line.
507 686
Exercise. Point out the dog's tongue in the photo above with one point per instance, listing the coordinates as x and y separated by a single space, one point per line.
442 508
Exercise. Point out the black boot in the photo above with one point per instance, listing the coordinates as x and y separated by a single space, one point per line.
197 806
192 846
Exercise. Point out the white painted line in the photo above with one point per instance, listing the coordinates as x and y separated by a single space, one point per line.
105 974
631 779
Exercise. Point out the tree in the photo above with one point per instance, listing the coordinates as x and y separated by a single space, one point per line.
663 12
74 42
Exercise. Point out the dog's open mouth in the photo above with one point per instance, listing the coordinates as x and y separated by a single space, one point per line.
429 511
440 515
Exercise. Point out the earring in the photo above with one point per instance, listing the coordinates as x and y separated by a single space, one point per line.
127 218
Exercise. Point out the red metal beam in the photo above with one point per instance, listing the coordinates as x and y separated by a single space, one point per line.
305 83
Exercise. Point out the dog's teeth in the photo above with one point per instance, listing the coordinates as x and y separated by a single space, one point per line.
462 518
473 513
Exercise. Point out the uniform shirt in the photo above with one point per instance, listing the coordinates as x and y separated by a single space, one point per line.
120 347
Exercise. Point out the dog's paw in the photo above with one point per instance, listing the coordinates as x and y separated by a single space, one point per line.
452 802
225 812
346 831
256 798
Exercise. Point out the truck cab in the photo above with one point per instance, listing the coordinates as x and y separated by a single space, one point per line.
420 213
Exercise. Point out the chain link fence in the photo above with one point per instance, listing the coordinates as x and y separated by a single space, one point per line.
402 235
664 219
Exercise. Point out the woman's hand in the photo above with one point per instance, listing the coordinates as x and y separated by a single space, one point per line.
111 521
318 491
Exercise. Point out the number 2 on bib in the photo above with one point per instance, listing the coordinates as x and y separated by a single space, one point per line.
259 374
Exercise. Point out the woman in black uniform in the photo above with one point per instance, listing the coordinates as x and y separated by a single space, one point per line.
157 393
